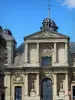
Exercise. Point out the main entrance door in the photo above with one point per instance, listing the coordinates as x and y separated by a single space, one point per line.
18 93
46 89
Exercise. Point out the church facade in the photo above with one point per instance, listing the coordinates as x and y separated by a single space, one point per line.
2 48
43 67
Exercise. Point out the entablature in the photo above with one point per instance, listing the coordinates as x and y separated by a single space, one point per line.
47 41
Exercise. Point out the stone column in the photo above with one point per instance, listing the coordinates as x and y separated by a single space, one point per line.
7 85
26 84
55 52
66 84
55 84
37 52
26 52
37 85
66 52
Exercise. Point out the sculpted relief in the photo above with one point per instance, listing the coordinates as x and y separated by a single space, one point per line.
46 50
18 79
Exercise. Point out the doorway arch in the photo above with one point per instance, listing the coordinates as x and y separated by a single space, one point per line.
46 89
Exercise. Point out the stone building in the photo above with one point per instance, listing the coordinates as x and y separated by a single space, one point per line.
2 49
43 67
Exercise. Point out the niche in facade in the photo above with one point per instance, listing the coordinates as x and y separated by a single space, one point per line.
32 84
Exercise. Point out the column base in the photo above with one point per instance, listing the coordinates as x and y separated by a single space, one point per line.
7 98
62 97
32 93
67 97
61 94
55 97
32 98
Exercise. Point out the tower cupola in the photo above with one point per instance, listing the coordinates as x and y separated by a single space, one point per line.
48 23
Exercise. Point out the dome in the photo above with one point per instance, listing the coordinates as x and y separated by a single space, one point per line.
7 31
50 24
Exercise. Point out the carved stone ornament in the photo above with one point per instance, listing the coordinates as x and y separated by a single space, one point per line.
18 79
49 76
46 50
48 34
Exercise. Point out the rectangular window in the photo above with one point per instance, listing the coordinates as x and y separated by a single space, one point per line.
18 93
46 61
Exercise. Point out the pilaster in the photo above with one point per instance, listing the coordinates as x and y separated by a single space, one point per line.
66 84
38 53
37 85
55 52
26 84
26 52
66 87
66 53
8 86
55 84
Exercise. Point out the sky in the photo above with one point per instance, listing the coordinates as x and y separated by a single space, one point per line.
24 17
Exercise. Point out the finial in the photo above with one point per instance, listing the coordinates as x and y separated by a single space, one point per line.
49 9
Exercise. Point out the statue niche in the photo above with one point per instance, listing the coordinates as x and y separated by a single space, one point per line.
31 82
60 80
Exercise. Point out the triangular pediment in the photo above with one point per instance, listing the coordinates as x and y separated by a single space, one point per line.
46 34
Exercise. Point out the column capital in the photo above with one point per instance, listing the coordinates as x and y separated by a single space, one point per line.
55 73
66 42
26 73
37 42
26 43
55 42
37 73
66 73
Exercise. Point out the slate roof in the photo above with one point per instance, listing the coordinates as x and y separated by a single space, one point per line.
72 47
20 49
2 40
7 35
